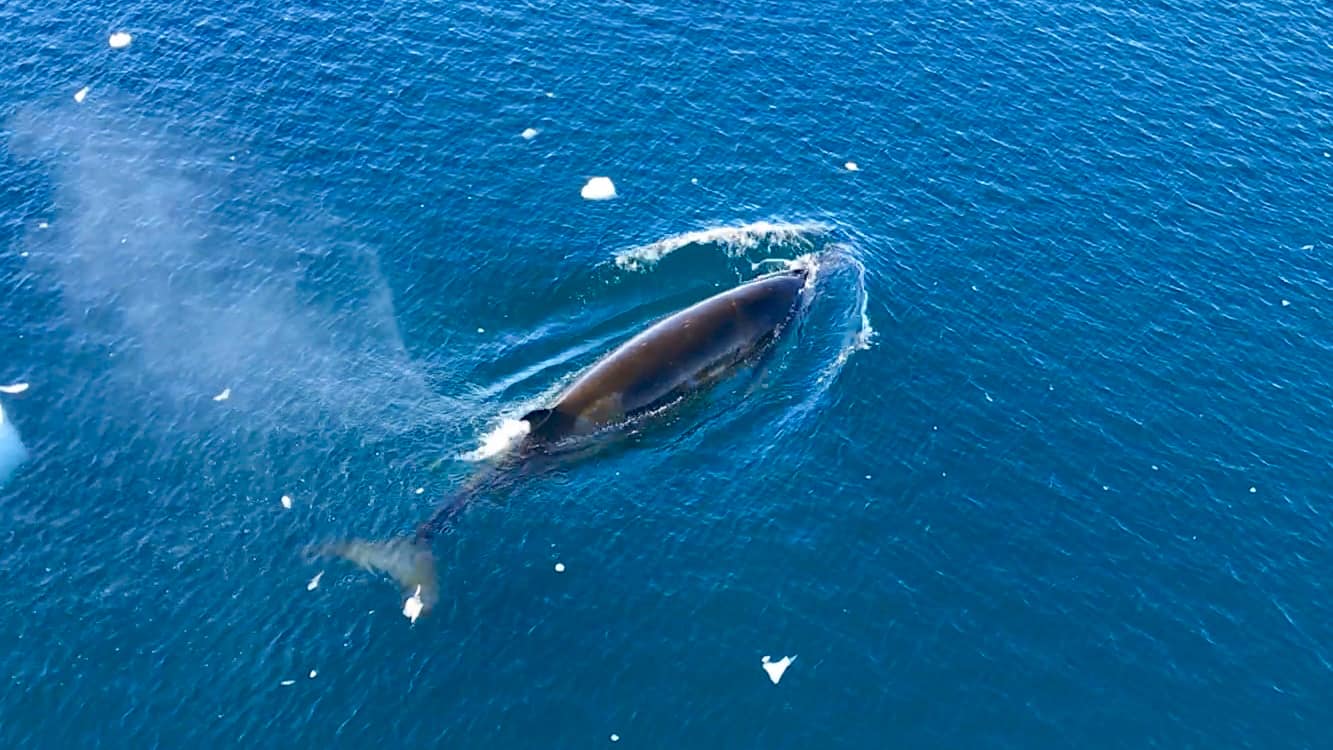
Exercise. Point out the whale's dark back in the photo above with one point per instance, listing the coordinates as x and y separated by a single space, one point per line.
684 352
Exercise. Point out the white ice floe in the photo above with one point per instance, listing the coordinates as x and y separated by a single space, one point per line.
314 582
852 166
226 394
599 189
287 502
119 40
14 388
81 94
776 669
413 606
530 133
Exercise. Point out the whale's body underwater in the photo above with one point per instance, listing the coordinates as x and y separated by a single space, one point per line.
682 354
12 452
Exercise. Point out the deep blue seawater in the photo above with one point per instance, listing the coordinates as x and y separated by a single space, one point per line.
1076 492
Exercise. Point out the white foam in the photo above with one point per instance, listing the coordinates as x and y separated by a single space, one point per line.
530 133
735 240
314 582
499 440
599 189
777 668
14 388
119 40
864 335
81 94
12 452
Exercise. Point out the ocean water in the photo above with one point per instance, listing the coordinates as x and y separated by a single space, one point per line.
1048 464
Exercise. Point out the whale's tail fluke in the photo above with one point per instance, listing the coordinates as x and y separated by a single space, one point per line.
408 561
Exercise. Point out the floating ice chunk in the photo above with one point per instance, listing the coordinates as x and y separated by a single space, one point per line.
288 683
599 189
852 166
776 669
226 394
81 94
120 40
287 502
530 133
559 567
413 606
314 582
14 389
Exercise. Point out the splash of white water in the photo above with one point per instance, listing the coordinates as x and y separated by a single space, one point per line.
498 440
734 239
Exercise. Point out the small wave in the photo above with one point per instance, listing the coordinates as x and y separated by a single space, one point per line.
734 239
864 335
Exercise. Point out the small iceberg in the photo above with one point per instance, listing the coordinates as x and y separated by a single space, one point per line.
599 189
777 668
12 452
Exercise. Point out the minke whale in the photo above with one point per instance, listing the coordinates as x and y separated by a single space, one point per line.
684 353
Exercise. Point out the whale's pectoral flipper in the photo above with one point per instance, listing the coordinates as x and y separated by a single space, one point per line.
408 561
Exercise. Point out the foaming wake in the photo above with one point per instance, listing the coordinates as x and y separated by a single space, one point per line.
499 440
862 335
736 240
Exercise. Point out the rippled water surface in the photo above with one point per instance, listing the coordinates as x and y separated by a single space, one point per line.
1046 465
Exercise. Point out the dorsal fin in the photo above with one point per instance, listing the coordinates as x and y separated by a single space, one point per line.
547 424
536 418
